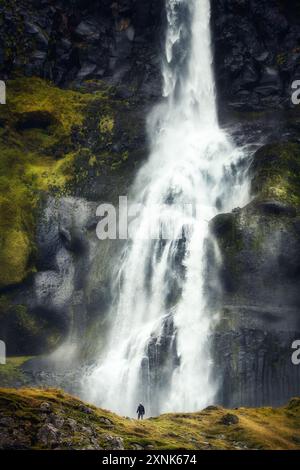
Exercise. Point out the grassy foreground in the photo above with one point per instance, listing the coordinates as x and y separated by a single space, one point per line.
52 419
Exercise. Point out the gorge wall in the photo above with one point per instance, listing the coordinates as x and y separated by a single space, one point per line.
87 138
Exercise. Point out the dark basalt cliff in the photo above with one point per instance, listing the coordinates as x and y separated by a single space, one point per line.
260 277
77 141
256 60
257 51
70 41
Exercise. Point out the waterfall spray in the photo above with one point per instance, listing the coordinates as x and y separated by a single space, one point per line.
161 303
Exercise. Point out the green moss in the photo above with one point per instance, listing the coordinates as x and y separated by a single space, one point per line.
276 173
55 140
37 150
34 95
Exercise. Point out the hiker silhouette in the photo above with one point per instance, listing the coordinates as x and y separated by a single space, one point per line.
140 411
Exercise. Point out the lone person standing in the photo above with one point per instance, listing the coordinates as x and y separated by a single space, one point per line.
140 411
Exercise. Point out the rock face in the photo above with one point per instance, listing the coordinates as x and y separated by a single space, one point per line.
56 282
256 52
104 48
104 55
256 44
260 276
64 281
67 41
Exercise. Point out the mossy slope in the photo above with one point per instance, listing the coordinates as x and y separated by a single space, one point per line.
53 140
35 149
32 418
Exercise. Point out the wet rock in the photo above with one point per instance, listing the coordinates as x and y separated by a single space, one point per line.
62 243
74 240
222 224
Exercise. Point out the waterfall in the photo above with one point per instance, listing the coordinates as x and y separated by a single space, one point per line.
158 348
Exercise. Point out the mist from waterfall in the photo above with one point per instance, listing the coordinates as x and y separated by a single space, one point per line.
158 349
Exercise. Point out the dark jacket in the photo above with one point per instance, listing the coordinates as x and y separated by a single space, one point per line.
140 410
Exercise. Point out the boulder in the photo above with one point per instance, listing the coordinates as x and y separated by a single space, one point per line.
114 442
48 435
229 419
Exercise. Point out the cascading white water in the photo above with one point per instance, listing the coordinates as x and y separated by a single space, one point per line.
162 282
